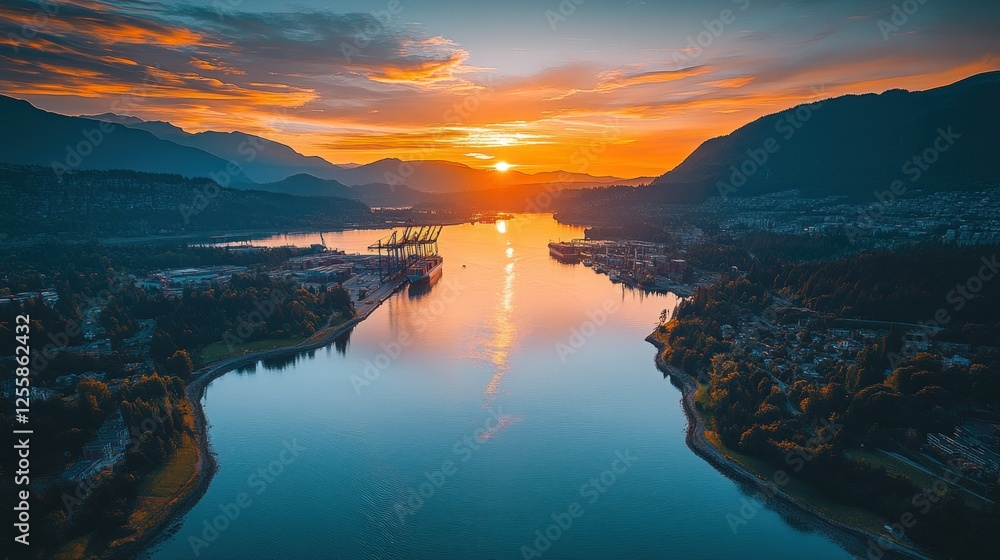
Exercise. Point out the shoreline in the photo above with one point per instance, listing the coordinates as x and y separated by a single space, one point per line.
206 465
177 237
696 441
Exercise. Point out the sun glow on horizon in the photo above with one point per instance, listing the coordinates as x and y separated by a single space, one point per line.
623 112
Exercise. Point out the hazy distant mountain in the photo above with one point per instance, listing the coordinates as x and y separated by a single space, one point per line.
524 197
304 184
273 162
582 180
382 195
374 194
44 138
161 129
263 160
855 145
435 176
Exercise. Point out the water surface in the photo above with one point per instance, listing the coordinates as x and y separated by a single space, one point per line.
457 421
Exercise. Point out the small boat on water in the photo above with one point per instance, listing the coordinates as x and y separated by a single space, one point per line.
425 269
588 262
615 276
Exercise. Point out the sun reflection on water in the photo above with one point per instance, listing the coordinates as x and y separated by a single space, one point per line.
500 343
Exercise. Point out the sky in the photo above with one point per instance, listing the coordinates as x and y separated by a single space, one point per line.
618 87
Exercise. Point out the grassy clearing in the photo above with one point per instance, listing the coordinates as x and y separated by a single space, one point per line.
802 491
158 490
893 466
220 350
161 489
701 397
174 475
922 479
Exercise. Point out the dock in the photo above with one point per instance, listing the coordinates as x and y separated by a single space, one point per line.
637 264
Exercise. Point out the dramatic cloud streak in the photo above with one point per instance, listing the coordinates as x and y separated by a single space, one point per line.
437 82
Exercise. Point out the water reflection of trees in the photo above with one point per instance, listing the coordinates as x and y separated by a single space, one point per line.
343 341
278 363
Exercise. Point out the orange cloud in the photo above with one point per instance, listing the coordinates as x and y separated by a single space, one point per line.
616 79
737 82
423 73
216 66
410 95
104 31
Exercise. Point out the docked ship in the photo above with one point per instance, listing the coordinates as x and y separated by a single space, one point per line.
566 252
490 217
427 268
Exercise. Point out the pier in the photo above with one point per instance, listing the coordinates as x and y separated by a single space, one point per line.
650 266
399 249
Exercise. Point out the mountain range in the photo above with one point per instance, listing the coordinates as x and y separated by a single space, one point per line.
263 160
269 163
111 141
939 139
65 143
853 145
437 176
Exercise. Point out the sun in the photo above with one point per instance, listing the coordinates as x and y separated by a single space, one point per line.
502 166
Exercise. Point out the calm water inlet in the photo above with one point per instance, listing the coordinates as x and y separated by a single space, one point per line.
511 409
